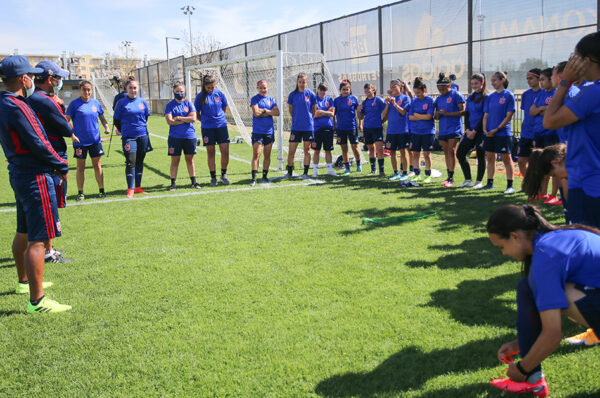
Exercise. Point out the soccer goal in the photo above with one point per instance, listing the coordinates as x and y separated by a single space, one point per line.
237 78
104 92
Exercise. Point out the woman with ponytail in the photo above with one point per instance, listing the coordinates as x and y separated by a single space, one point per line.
422 129
561 276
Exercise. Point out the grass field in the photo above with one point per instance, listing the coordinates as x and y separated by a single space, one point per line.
279 292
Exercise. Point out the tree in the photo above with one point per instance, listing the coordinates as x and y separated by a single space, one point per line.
205 48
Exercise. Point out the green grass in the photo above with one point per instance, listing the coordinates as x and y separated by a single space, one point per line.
270 292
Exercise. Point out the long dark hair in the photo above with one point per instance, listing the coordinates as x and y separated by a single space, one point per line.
503 76
512 218
300 76
540 165
479 97
589 46
206 80
345 83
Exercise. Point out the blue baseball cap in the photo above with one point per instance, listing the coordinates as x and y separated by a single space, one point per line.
17 65
49 68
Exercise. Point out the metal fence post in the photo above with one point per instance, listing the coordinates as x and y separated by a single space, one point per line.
380 26
470 44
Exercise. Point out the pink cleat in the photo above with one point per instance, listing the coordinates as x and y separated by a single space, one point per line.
539 389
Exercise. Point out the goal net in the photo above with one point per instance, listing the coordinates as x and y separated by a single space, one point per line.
237 79
104 92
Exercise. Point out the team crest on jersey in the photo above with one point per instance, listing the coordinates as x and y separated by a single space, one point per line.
502 100
326 103
127 147
349 103
186 109
373 104
141 106
548 100
171 150
448 100
268 102
94 109
425 106
78 151
217 99
306 99
58 227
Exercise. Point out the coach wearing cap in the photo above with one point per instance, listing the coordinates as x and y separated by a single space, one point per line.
50 113
31 162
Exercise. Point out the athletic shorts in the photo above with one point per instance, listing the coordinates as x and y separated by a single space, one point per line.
343 136
137 144
299 136
263 139
421 142
583 209
37 214
395 142
498 144
213 136
324 139
589 306
81 151
525 147
177 144
546 140
447 137
373 135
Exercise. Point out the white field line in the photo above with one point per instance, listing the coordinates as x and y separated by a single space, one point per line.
175 195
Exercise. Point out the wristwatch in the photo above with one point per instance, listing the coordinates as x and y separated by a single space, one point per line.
565 83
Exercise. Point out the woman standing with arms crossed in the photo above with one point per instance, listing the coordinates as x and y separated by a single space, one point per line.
345 125
370 121
212 105
422 129
181 115
131 119
323 130
398 138
264 108
85 112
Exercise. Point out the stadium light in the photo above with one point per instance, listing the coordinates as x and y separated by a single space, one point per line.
126 44
189 10
168 62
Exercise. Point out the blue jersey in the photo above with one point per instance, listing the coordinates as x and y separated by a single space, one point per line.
398 123
527 99
212 111
474 111
454 86
543 99
423 107
345 112
184 130
324 122
118 98
85 120
263 125
583 156
498 104
449 124
133 114
53 119
563 132
372 108
24 141
559 257
302 102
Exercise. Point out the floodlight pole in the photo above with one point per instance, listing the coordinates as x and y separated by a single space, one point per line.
189 10
168 62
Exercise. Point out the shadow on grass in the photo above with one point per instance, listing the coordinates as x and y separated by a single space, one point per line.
11 265
10 312
411 368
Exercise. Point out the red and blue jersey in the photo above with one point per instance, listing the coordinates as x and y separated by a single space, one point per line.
345 112
424 107
398 123
562 256
302 103
527 99
497 106
542 99
454 86
85 120
133 114
183 109
449 102
583 154
24 140
53 119
263 125
212 110
324 104
563 132
372 108
474 110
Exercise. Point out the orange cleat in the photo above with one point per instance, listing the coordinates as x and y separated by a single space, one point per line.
139 190
588 338
539 389
130 193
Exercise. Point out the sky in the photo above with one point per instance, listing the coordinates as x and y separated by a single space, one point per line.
97 27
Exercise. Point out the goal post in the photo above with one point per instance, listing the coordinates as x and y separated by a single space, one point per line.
104 92
237 79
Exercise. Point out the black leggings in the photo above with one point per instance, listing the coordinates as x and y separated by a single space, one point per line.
135 159
463 150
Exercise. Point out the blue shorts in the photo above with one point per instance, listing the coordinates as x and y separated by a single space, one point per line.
583 209
525 147
546 140
137 144
498 144
589 307
373 135
37 214
395 142
263 139
421 142
446 137
217 135
81 151
343 136
177 144
323 138
299 136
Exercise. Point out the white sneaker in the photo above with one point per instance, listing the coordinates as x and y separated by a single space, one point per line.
509 191
411 174
304 177
467 184
478 185
331 172
315 174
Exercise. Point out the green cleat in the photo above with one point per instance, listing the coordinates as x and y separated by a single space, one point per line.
23 288
418 178
426 180
47 305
